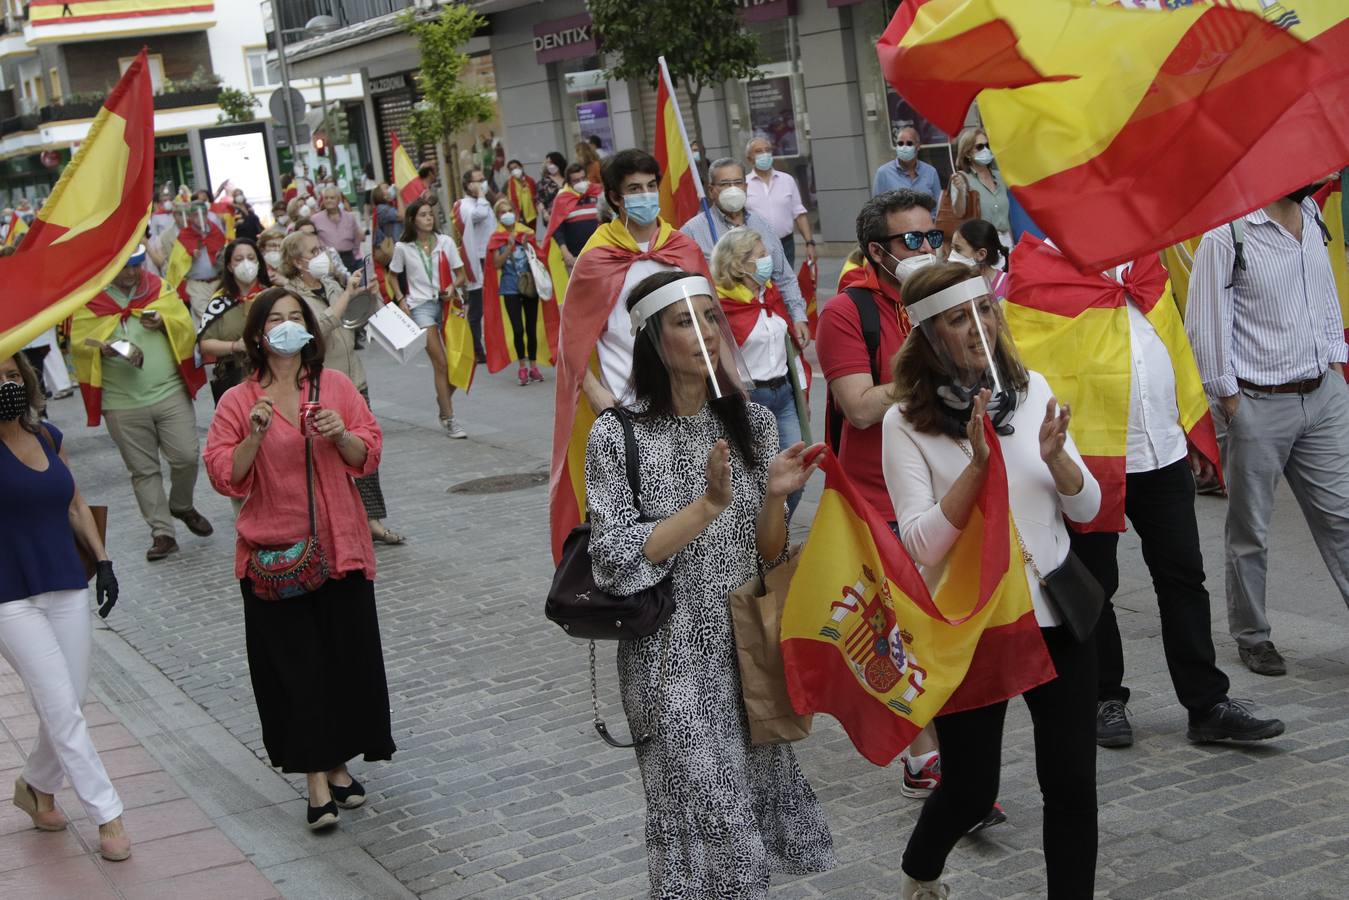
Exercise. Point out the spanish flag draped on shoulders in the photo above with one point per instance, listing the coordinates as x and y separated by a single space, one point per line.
498 334
104 316
597 281
1075 329
189 241
743 308
524 192
568 206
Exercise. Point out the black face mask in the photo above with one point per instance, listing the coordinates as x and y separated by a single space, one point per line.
1302 193
13 401
957 401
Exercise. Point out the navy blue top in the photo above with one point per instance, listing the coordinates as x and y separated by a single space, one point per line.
37 545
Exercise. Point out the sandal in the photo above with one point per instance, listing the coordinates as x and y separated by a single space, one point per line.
386 535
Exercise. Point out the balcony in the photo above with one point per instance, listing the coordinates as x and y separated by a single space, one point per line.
13 44
295 13
76 107
47 25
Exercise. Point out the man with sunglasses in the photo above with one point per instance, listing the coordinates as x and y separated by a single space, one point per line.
907 170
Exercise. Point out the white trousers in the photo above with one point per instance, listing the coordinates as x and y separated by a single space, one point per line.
46 638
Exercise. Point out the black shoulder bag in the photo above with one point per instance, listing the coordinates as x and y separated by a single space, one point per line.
584 610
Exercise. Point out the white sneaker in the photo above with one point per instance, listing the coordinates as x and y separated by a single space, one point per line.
452 428
912 889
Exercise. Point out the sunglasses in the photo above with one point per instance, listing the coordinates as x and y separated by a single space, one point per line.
914 239
983 146
906 143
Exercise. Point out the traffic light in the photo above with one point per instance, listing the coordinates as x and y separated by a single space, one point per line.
320 143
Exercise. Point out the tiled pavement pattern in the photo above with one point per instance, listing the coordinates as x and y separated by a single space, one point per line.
501 789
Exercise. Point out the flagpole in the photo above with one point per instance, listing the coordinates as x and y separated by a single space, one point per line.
688 151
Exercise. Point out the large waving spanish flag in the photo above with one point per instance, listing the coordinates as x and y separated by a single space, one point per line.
1074 329
864 639
498 335
91 223
60 12
1123 131
99 321
598 279
681 193
406 181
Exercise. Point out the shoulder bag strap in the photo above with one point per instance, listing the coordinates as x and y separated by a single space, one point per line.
631 461
309 460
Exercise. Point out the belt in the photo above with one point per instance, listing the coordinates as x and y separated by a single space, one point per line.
771 384
1305 386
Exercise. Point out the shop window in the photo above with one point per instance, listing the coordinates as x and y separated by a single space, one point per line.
54 76
156 69
585 103
262 74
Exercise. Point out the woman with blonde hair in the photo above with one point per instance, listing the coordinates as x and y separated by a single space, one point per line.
975 171
760 323
586 156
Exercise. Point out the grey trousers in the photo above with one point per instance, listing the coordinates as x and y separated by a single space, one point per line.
1303 437
141 435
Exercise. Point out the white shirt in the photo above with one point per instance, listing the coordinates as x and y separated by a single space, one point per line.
778 200
765 350
1156 439
920 469
424 287
479 223
615 346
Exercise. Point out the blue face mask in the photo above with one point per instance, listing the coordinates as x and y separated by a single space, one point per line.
763 162
642 208
288 338
906 154
763 269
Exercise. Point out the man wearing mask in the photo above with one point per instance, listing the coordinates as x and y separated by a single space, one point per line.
907 170
475 222
700 160
188 253
161 220
1264 318
574 217
595 321
726 193
133 349
775 196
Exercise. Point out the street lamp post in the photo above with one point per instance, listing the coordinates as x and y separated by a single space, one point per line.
280 28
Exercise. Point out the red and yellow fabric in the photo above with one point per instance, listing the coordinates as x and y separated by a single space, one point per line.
1074 329
864 640
742 307
808 277
852 275
498 336
1179 261
1330 198
17 228
62 12
461 357
1123 131
406 181
99 321
225 210
680 191
595 284
564 204
93 220
190 240
522 192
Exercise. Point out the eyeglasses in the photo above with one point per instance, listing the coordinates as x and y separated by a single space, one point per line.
739 182
914 239
906 143
983 146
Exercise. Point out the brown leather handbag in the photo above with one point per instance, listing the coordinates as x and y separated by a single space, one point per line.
949 218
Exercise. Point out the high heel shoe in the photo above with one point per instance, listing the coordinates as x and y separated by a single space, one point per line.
25 798
349 797
116 846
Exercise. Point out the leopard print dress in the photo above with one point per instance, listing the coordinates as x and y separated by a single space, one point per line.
720 813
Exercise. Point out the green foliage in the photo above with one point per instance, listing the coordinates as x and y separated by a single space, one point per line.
449 103
704 42
200 80
236 106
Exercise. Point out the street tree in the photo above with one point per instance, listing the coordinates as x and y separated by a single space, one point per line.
704 43
451 103
235 106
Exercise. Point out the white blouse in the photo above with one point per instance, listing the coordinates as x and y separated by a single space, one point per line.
920 468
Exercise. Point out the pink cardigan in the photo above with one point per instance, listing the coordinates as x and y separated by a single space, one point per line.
275 511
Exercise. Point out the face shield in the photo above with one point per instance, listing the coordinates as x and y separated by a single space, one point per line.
963 325
692 337
197 216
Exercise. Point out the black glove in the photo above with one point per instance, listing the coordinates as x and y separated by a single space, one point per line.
105 585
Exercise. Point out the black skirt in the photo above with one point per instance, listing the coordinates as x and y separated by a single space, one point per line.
318 676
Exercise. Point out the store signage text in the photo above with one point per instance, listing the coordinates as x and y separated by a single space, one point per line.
388 84
568 38
764 10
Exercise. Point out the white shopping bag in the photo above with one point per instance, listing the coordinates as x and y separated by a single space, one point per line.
395 331
543 280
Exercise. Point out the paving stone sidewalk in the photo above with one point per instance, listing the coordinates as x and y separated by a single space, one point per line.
501 789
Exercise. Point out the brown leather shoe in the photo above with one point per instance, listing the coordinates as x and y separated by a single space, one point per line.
195 522
162 546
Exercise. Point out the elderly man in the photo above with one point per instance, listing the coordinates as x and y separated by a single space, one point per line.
475 222
1264 319
726 191
907 170
337 228
775 196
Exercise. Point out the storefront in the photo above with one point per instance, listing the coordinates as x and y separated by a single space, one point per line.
173 162
31 176
569 49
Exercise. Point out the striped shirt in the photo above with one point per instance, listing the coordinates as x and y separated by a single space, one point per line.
1279 322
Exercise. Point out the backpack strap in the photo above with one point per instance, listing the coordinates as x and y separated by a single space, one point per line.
869 316
1238 229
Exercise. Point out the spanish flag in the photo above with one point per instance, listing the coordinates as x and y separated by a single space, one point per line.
566 206
865 640
460 356
1074 329
1179 262
1123 131
62 12
99 321
681 193
853 273
91 223
1330 198
598 278
406 181
522 192
17 228
808 277
190 240
498 336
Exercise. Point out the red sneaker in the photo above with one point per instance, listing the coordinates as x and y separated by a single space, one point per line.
535 374
925 781
995 817
524 376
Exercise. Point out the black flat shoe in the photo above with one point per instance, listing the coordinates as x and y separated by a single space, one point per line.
349 797
322 816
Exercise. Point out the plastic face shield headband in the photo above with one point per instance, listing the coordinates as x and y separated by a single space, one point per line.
691 335
926 312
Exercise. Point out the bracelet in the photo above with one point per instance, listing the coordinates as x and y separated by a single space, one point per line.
810 243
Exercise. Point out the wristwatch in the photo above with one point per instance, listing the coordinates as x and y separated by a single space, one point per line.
810 243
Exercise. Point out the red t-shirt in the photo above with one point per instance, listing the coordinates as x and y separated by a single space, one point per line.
843 351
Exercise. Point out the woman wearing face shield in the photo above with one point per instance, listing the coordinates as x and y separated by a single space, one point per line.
315 660
721 813
754 308
961 366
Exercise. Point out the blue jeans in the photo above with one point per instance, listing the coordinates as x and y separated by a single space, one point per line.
781 402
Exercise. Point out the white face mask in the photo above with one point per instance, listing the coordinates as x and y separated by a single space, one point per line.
272 258
552 169
246 270
907 266
984 157
517 173
508 219
321 266
731 199
581 186
957 257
